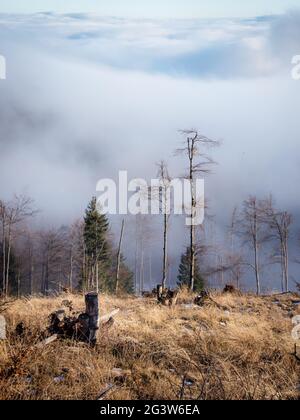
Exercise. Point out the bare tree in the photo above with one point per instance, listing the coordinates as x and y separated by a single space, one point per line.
251 227
12 214
144 236
161 193
119 256
279 223
165 180
51 247
234 259
3 217
199 163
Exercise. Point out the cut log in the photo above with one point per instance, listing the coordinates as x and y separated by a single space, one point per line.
47 341
107 325
92 310
107 317
108 388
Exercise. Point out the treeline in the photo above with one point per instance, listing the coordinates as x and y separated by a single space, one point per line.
258 237
83 256
258 234
77 257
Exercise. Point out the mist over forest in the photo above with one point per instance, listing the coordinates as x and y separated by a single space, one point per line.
87 96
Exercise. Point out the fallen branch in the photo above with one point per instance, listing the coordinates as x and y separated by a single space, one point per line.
47 341
107 317
105 391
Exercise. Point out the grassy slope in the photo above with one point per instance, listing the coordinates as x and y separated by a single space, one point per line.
243 352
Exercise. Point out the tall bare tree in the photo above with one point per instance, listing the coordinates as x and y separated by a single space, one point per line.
251 226
199 163
12 214
52 243
279 223
234 258
119 256
161 193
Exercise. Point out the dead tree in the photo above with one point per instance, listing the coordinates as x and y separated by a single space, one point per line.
252 229
12 214
161 195
92 310
279 223
119 256
164 200
199 163
3 225
52 243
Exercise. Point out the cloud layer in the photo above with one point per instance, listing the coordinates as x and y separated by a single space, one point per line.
199 48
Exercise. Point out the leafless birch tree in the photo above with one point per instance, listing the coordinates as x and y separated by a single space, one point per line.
199 164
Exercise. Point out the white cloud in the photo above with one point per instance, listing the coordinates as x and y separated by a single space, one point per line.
77 108
194 47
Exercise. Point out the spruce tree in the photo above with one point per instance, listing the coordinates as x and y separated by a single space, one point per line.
96 243
184 272
95 232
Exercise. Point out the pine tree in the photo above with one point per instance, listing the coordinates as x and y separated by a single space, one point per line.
184 272
95 232
97 249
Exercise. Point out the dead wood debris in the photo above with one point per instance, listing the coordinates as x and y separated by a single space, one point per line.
204 298
167 297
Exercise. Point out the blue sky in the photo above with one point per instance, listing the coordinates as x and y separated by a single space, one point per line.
154 8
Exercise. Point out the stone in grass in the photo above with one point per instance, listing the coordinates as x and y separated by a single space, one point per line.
2 328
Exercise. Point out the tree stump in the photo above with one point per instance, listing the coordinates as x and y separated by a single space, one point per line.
2 328
159 291
83 331
92 310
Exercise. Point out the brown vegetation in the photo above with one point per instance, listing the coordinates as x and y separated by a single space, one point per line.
156 352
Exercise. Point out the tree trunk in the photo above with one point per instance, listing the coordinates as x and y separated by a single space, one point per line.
92 310
286 266
8 262
47 277
19 284
257 269
31 275
165 252
192 227
142 273
119 257
3 256
71 273
97 276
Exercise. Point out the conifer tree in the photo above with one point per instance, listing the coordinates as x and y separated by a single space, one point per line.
184 272
97 249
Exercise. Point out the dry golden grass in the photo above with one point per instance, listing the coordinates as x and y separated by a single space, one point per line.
241 349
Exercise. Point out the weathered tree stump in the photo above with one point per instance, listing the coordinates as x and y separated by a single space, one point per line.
82 333
2 328
92 310
159 292
202 298
83 327
229 288
167 297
